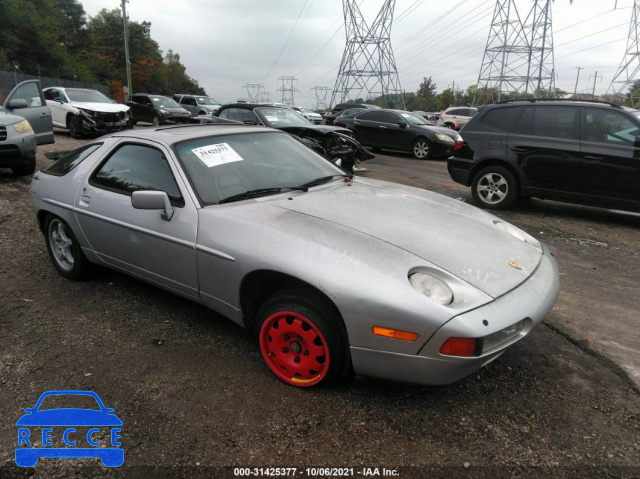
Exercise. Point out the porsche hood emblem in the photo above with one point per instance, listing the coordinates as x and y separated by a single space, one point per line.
515 265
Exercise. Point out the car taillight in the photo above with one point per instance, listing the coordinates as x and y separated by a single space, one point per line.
459 144
457 127
335 122
459 347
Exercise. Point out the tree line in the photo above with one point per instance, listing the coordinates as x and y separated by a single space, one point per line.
55 38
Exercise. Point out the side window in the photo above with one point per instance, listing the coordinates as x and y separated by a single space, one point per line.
138 167
48 94
390 117
501 119
189 101
455 111
549 121
372 116
28 92
604 126
224 113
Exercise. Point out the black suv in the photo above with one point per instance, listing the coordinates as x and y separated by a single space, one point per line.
574 151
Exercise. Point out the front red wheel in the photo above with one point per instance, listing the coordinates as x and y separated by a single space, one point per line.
302 339
294 348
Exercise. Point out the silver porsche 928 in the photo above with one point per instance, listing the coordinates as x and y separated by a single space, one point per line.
332 272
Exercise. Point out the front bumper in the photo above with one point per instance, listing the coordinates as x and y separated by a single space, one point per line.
16 149
531 301
443 149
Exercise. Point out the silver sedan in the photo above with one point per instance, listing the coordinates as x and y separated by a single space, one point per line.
334 273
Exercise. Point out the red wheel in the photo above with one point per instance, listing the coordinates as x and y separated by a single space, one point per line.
302 339
294 348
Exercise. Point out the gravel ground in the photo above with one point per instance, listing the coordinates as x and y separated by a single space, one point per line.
202 403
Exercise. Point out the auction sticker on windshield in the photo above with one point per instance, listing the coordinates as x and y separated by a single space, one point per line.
271 118
216 155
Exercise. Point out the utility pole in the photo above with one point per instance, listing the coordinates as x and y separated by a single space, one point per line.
253 91
321 96
125 21
288 91
518 57
625 82
368 67
595 77
575 90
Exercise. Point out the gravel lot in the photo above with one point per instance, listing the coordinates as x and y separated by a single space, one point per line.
561 403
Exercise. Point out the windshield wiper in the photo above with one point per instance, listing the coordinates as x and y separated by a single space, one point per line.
258 192
321 180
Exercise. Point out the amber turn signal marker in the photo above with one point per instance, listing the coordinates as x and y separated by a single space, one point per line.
459 347
395 334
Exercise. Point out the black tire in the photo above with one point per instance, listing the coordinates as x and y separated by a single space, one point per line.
26 168
375 149
495 188
307 325
451 126
422 149
74 125
134 123
64 250
156 120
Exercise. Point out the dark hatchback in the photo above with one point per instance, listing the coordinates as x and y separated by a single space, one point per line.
400 130
157 110
574 151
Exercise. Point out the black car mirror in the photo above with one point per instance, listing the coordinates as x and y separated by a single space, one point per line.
402 124
249 121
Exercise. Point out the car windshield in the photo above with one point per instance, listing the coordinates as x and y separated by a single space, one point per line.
219 167
413 119
159 101
307 110
86 96
203 100
281 117
66 401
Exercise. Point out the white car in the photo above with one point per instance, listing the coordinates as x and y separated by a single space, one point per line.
309 114
81 111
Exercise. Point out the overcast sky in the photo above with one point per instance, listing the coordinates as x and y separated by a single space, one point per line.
228 43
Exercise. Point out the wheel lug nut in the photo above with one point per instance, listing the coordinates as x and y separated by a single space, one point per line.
299 339
287 337
285 350
297 359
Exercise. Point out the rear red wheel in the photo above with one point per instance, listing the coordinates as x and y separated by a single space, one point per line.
302 340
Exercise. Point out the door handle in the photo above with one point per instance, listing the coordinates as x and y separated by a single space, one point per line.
382 127
520 149
593 159
44 114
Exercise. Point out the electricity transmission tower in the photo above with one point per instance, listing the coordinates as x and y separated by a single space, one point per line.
288 89
518 59
321 96
253 91
626 79
368 67
264 97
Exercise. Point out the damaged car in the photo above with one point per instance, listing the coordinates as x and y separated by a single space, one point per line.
336 144
333 273
83 111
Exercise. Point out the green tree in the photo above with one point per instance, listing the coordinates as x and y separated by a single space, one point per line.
426 95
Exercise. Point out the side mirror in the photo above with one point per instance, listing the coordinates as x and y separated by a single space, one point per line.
17 104
58 100
153 200
249 121
402 124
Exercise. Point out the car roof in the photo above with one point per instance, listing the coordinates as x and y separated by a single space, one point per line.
175 134
250 106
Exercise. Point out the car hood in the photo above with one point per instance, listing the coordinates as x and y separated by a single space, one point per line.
440 129
450 234
174 109
314 130
69 417
102 107
9 119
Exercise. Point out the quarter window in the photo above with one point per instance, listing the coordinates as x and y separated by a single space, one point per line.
68 162
138 167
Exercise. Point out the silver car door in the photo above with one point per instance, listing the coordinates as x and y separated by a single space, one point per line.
35 111
140 241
